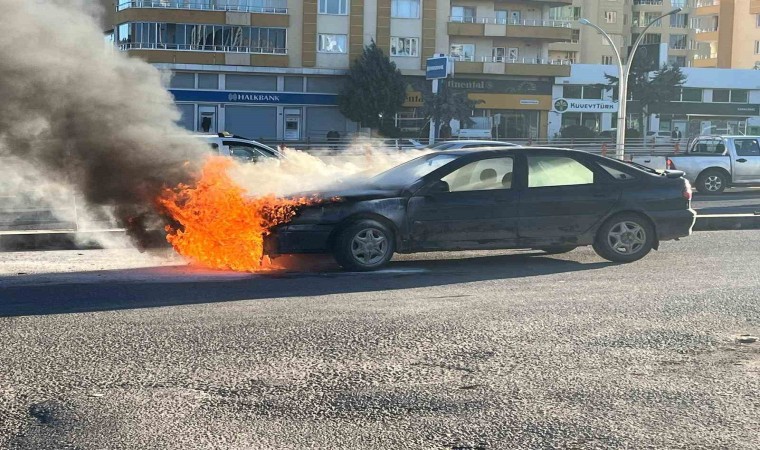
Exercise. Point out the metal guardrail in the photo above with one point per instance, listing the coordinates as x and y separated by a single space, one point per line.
514 22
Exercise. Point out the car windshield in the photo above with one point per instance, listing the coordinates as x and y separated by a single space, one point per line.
442 146
410 171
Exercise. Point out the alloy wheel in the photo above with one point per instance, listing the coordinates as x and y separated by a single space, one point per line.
369 246
627 237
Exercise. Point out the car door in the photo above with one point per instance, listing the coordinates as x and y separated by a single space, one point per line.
746 166
563 197
477 208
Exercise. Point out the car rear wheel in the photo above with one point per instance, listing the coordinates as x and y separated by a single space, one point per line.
624 238
364 245
557 250
712 182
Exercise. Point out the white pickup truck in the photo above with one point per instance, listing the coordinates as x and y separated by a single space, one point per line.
714 163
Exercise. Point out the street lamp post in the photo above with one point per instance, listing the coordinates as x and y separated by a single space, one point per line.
623 71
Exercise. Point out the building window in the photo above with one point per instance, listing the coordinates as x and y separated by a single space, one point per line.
338 7
679 20
730 96
610 16
650 17
463 52
608 60
721 95
405 9
200 37
462 14
757 47
332 43
677 41
691 95
403 46
651 39
589 92
576 36
678 61
757 20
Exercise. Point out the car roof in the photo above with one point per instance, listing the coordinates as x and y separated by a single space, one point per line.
474 141
507 150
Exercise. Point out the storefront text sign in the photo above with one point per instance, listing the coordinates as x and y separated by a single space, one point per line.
562 105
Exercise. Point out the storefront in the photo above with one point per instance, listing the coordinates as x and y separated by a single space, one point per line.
514 108
268 107
711 101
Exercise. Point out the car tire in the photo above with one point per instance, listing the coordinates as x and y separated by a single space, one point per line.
558 249
624 238
712 182
364 246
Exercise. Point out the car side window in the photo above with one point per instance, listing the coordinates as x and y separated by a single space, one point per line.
244 152
747 147
709 147
546 171
486 174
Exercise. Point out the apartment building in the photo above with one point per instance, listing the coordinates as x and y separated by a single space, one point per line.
271 69
706 33
727 33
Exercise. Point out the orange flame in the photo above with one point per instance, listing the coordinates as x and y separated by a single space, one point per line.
221 227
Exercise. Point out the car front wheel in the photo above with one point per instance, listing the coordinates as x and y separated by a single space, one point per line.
364 245
624 238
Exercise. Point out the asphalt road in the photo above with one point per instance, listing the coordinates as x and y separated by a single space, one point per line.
732 201
108 349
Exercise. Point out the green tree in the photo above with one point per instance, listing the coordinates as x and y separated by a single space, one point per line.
375 89
448 104
652 92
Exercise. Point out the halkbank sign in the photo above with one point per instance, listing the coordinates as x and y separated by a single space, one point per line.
563 105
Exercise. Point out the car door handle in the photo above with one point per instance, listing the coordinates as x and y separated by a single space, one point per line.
741 160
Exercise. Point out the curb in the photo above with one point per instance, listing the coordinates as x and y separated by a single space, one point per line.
717 222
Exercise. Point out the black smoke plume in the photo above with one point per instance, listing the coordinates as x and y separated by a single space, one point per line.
84 114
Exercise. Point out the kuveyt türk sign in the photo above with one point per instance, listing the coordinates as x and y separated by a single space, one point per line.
563 105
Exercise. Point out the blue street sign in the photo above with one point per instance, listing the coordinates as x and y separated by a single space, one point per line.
437 68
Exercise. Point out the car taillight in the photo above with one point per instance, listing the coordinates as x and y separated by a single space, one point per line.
686 189
669 164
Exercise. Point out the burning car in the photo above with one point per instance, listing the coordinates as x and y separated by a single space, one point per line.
533 198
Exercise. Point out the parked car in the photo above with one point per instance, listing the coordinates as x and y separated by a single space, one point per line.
714 163
238 147
658 138
538 198
469 143
403 144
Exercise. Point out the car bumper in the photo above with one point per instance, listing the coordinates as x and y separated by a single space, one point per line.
674 224
292 239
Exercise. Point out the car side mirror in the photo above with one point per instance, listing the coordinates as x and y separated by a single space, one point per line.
438 187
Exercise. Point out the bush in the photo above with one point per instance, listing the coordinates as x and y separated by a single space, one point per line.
577 132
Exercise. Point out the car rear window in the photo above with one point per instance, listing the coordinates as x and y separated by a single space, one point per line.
616 173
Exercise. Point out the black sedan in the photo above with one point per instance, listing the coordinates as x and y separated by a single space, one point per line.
522 198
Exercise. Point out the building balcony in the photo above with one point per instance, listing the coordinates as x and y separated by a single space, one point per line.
520 66
543 2
705 61
207 54
705 7
565 46
754 6
210 17
244 6
552 30
706 34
